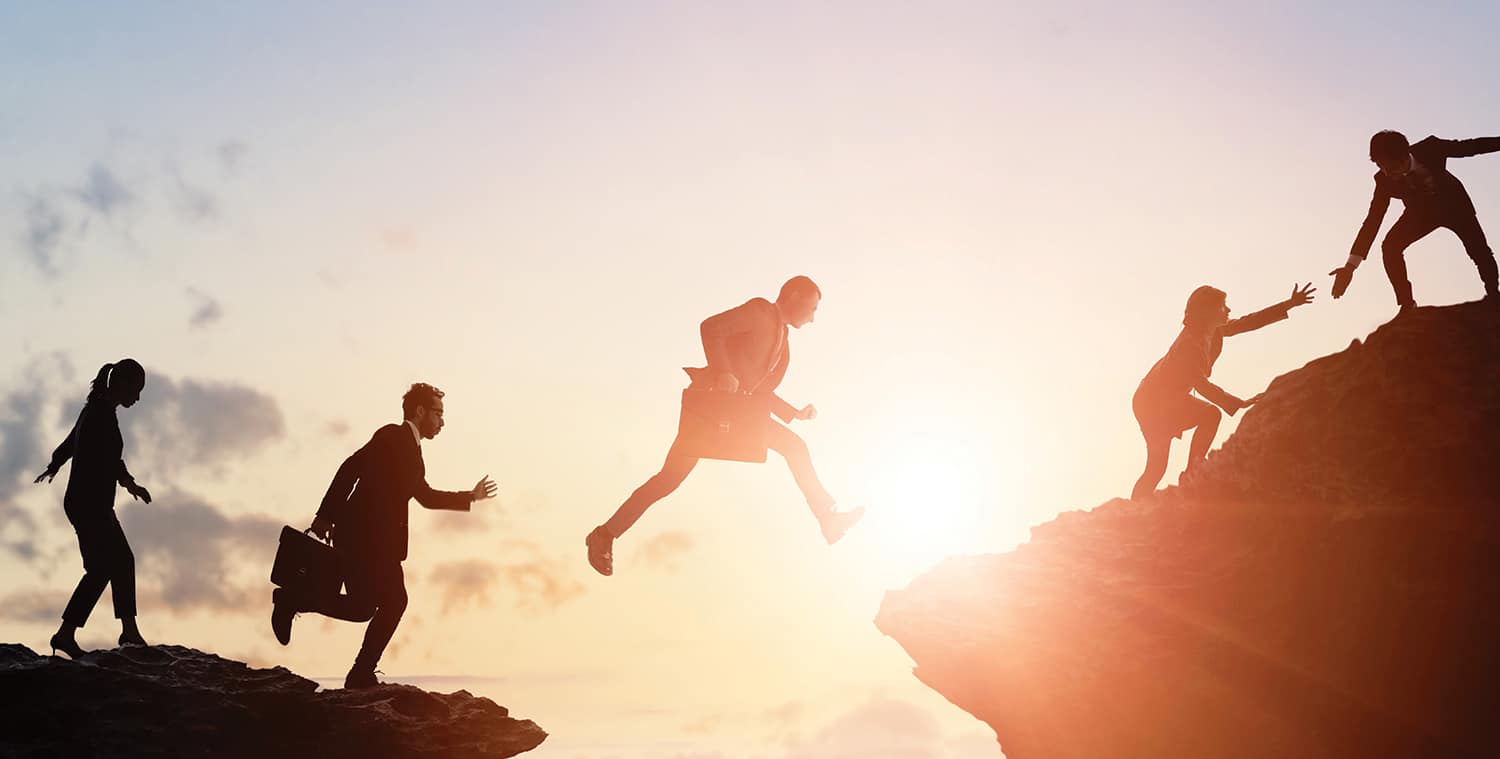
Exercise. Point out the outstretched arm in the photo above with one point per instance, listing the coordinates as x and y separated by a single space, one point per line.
454 500
1271 314
1380 201
1219 396
60 456
1466 148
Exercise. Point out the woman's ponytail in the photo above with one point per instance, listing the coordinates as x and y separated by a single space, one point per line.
100 383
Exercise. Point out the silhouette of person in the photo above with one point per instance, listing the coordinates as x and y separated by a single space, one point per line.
747 351
365 512
1164 405
1418 175
96 447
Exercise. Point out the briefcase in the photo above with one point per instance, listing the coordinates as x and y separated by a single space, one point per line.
727 426
306 564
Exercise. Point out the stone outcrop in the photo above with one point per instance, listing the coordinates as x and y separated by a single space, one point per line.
1326 585
170 701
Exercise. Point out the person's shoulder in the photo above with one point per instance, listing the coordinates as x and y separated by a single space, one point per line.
1428 145
388 432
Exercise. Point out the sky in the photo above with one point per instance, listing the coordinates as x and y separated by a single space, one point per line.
290 212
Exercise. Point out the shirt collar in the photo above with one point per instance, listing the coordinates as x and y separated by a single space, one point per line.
414 433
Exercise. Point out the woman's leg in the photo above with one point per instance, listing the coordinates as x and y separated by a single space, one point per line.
1158 446
1207 424
93 545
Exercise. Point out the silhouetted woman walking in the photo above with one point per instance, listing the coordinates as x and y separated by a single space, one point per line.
96 448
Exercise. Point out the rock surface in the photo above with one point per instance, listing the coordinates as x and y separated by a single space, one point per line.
170 701
1327 585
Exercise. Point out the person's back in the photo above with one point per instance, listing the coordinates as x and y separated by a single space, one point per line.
96 447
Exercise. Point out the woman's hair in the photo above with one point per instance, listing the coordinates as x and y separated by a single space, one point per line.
1202 304
126 372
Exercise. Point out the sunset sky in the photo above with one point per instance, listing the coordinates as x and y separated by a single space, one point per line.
290 212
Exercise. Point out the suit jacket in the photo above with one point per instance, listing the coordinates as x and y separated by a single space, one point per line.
96 447
750 342
1431 191
1191 358
369 498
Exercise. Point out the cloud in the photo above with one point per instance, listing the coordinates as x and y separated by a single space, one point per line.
103 192
23 450
43 235
194 203
207 312
32 605
231 154
180 423
536 581
187 548
539 581
464 583
881 728
663 551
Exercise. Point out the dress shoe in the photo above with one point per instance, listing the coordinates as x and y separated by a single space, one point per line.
66 645
360 677
601 550
836 523
283 611
132 639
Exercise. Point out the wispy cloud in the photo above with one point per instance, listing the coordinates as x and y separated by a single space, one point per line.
207 310
103 192
534 580
186 549
664 550
180 423
464 583
43 233
231 155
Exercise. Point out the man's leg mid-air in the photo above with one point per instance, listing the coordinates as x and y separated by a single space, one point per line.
792 448
601 541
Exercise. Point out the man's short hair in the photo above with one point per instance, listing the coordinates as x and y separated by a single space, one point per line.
798 286
1388 145
421 394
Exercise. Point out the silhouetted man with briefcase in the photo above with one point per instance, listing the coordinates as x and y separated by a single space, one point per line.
365 512
726 413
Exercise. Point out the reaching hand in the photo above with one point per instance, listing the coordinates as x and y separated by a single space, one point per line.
1342 276
47 475
1301 295
321 527
485 489
806 413
728 383
139 493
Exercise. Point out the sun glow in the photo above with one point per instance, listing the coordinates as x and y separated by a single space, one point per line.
931 493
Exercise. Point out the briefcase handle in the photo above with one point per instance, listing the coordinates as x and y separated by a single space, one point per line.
308 532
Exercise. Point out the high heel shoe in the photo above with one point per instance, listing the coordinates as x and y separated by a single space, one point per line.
66 645
127 639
